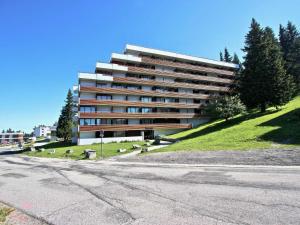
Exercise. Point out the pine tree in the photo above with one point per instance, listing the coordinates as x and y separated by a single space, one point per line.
227 57
293 62
287 36
236 59
280 83
221 56
65 121
235 86
251 85
264 80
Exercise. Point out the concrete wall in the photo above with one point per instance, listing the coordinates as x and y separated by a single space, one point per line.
88 141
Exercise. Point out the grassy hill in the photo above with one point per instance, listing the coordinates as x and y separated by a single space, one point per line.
274 128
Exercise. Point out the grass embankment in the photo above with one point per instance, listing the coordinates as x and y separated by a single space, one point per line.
274 128
109 150
4 212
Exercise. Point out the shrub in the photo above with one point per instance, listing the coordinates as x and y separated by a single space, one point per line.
226 107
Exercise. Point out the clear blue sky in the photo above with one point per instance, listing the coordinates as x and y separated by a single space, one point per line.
44 44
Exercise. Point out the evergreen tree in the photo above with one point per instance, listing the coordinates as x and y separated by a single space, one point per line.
227 57
252 80
280 84
287 36
65 121
264 80
236 59
293 62
3 131
235 86
221 56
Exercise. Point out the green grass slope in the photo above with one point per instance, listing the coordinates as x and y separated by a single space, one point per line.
274 128
109 150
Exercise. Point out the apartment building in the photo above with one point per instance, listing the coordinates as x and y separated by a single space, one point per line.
42 131
11 138
147 92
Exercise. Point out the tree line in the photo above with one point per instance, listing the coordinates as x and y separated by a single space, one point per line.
270 72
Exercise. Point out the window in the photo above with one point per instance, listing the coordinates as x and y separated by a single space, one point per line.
132 110
146 110
118 86
103 97
145 77
87 109
146 121
87 122
146 99
102 85
131 87
119 121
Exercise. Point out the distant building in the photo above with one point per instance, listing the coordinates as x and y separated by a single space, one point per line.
42 131
11 138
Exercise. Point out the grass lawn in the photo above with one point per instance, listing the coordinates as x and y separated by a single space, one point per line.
109 149
4 212
275 128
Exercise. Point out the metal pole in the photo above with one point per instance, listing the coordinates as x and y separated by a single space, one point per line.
101 148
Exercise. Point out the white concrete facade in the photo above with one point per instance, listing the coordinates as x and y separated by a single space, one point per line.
42 131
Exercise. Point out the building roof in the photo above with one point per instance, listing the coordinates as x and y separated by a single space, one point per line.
138 49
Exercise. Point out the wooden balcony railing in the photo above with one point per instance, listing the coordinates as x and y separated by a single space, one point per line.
139 104
186 66
116 115
124 127
140 70
137 81
124 91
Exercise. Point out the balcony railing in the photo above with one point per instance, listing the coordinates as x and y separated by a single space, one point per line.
115 115
124 127
124 91
91 102
186 66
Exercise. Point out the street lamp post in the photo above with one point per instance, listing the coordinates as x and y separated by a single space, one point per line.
102 135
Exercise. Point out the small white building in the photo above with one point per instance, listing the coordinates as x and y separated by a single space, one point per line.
42 131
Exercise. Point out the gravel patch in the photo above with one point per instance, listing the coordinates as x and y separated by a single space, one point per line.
276 157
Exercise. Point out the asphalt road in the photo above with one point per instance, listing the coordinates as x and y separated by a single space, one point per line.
109 192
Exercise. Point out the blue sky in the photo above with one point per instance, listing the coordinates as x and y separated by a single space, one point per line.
44 44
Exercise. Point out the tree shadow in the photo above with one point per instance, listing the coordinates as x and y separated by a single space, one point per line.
58 144
226 124
14 152
288 131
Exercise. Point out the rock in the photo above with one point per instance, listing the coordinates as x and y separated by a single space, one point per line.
122 150
145 150
91 154
32 149
136 146
51 151
69 151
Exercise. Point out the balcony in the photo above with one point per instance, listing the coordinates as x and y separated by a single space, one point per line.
90 102
139 70
114 115
124 91
125 127
170 84
186 66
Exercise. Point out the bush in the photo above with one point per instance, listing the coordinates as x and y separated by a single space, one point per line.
226 107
